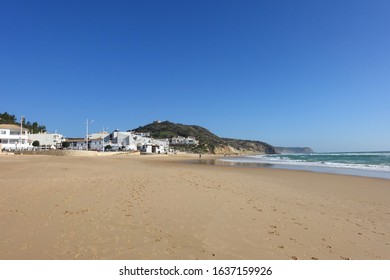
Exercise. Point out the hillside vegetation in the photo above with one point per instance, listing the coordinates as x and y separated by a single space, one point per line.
208 141
34 127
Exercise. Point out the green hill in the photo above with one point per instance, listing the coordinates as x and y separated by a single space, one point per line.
208 141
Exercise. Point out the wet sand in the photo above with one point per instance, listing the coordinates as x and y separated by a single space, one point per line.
157 207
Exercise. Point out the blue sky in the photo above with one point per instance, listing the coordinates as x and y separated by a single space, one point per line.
291 73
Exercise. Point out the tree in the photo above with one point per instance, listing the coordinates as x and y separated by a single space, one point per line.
35 143
65 145
7 118
34 127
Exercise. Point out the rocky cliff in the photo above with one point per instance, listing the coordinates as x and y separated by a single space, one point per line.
250 146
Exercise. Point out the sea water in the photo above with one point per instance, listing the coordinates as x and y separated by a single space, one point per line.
370 164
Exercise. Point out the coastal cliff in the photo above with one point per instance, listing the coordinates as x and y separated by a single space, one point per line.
250 146
208 141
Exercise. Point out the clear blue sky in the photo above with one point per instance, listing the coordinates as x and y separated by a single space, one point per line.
291 73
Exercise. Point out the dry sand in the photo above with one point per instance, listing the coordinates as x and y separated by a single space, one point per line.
156 207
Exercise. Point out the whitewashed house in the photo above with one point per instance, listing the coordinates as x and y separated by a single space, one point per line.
96 144
123 141
13 137
180 140
143 134
130 141
177 140
117 140
76 143
97 140
191 141
155 147
47 140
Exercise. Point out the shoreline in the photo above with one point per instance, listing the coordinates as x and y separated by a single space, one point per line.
157 207
316 169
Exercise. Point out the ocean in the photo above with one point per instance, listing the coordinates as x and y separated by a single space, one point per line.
369 164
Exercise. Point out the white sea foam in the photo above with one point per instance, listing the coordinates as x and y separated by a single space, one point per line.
281 160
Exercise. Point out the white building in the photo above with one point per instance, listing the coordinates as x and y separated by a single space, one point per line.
47 140
116 140
120 141
155 147
76 143
124 140
179 140
96 144
96 140
127 141
150 145
13 137
191 141
143 134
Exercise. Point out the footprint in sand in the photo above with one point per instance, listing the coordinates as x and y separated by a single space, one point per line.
25 246
275 232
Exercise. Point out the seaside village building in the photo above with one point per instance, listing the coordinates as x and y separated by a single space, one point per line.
13 137
156 147
47 140
120 141
179 140
131 141
76 143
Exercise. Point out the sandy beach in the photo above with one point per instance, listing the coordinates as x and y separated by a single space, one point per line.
158 207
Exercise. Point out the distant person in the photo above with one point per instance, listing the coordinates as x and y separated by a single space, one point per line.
200 155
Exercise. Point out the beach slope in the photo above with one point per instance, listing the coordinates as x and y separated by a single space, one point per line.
158 207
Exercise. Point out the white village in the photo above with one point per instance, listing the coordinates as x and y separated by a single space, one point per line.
15 137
